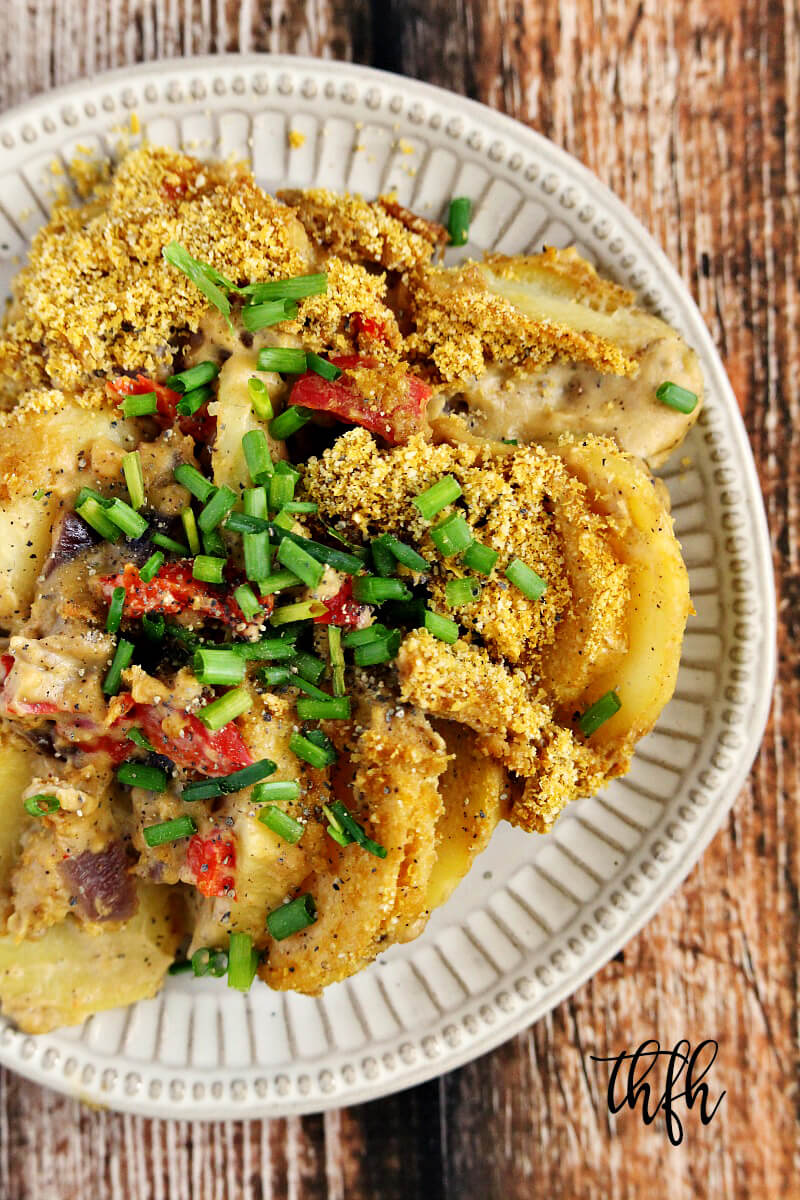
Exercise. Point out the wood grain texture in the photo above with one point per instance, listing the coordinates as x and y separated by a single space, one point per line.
688 109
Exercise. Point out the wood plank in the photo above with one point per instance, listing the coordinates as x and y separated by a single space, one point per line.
689 111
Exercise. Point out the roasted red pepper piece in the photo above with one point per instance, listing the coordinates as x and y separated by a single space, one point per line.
200 425
174 590
212 860
195 748
341 398
343 610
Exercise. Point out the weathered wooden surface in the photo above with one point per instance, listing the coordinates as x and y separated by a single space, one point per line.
689 110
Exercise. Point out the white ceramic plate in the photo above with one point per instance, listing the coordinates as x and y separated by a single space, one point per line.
538 915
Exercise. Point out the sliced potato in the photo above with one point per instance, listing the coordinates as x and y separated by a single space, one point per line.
17 768
45 458
68 974
235 418
472 790
641 532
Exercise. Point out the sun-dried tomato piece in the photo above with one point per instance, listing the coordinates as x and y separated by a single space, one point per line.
174 590
343 610
212 861
394 421
194 748
200 425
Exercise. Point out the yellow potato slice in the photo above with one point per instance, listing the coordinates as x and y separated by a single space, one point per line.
65 976
472 790
642 536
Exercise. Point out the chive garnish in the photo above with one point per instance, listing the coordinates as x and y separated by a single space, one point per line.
115 610
296 288
437 497
225 709
677 397
458 219
281 823
598 713
122 659
260 399
441 627
218 667
202 276
292 917
283 359
370 589
193 378
134 479
169 831
242 961
321 367
190 529
458 592
209 569
526 579
41 805
152 779
312 753
480 558
452 535
194 482
290 420
270 312
140 406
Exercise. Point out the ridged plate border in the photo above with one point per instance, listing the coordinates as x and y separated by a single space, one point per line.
501 956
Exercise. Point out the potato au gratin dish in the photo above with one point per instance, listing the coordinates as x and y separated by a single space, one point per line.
318 559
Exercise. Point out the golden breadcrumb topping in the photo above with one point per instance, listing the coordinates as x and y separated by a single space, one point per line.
460 324
564 272
462 683
97 295
353 228
325 324
516 503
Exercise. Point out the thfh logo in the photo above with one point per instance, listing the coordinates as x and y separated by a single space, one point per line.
679 1060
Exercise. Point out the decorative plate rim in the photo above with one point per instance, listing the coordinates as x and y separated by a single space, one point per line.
33 1057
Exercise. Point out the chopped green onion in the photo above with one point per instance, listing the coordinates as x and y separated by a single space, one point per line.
256 453
219 667
289 421
169 831
277 581
192 401
140 406
355 831
598 713
188 639
307 610
336 655
152 779
451 535
437 497
225 709
340 560
190 529
203 789
115 609
369 589
243 522
677 397
86 492
441 627
360 637
154 625
207 961
300 506
281 823
151 568
480 558
255 545
242 961
217 509
122 659
180 967
382 558
275 677
271 312
137 737
134 479
406 555
94 514
260 399
247 776
41 805
245 597
305 685
336 708
458 592
292 917
511 441
267 650
283 359
168 543
194 377
380 650
40 494
298 560
281 490
526 579
458 220
337 834
213 543
309 666
127 519
310 752
202 276
296 288
194 482
276 791
209 569
321 366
